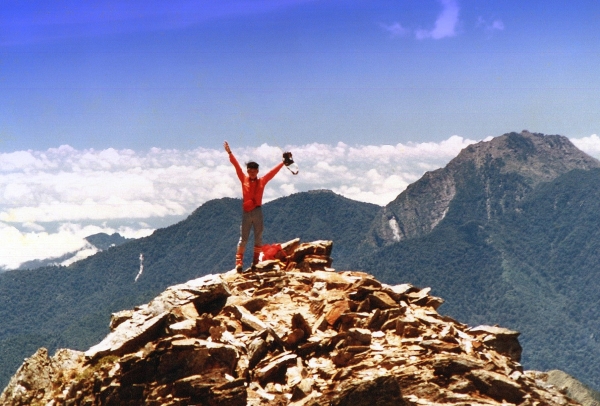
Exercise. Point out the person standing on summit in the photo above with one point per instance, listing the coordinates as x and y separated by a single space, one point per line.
252 193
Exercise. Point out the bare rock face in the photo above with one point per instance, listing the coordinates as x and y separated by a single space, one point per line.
533 158
35 380
295 332
130 329
572 387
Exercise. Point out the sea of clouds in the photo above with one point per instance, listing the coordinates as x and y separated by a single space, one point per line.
51 200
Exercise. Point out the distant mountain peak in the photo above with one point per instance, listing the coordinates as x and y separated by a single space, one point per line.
537 157
104 241
522 159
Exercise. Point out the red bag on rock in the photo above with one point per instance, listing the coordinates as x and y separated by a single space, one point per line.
273 251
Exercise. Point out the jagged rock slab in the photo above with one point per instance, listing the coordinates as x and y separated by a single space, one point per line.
143 324
572 387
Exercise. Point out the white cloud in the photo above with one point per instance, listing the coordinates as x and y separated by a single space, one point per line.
83 189
590 145
395 29
87 251
144 230
19 246
68 185
446 23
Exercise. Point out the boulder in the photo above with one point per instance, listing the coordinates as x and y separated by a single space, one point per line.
501 339
145 323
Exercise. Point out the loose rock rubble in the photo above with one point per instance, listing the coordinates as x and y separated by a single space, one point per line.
294 332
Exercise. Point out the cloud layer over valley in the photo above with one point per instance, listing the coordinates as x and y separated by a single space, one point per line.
50 200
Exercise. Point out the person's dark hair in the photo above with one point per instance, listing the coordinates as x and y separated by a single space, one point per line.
251 165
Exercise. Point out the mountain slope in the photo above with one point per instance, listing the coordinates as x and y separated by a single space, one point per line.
517 244
321 214
78 300
487 275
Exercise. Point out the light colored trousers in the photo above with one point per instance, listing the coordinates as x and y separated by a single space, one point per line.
251 219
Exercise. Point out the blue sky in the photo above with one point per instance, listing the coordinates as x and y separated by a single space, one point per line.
186 74
113 113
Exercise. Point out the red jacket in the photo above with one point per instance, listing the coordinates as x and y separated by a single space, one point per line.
252 190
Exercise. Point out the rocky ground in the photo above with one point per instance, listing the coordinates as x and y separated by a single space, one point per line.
293 331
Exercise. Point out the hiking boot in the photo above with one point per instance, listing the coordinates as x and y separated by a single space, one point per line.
256 256
239 259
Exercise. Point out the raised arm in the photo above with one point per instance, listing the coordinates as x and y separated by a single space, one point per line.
236 165
269 175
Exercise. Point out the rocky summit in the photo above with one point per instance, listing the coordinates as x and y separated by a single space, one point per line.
521 160
291 332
